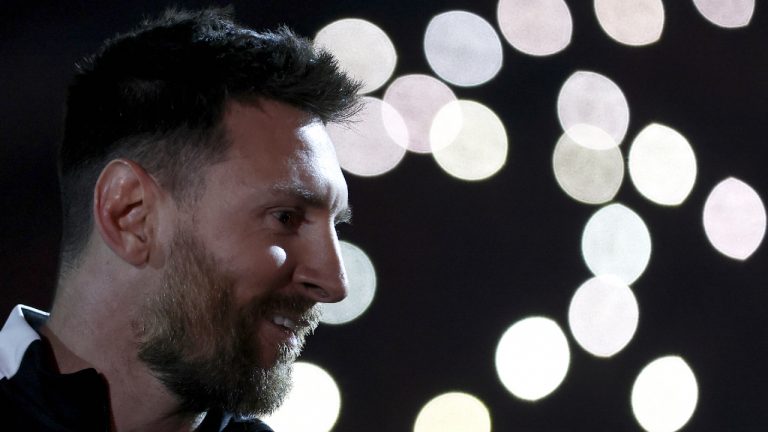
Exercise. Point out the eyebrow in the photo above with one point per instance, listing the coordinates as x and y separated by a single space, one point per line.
344 216
312 199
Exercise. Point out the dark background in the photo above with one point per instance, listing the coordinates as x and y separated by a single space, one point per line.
459 262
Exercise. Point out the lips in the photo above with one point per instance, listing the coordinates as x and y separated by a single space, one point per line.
284 321
295 315
280 326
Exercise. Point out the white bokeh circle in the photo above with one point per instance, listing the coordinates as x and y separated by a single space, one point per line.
616 242
313 403
593 110
475 146
727 13
734 219
362 49
603 315
588 175
374 143
453 412
532 358
665 394
662 165
631 22
463 48
418 98
535 27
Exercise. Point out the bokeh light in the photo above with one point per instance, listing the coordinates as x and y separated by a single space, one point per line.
362 49
536 27
418 98
532 358
727 13
587 175
312 405
453 412
478 149
734 218
362 287
616 242
664 395
462 48
592 109
662 165
603 315
366 147
631 22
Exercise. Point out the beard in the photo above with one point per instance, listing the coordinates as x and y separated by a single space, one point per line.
204 348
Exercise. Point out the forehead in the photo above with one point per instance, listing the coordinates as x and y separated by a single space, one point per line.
273 144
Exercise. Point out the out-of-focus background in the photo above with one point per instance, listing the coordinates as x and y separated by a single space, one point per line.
559 207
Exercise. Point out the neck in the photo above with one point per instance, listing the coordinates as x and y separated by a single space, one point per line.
91 327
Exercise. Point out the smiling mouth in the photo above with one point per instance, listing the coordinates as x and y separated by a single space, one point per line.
295 317
285 322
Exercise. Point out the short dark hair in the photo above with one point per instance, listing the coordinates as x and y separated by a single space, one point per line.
157 95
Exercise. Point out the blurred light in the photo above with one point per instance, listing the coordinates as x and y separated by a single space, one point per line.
603 315
734 219
536 27
462 48
664 395
312 405
362 49
366 147
616 242
362 287
591 137
587 175
453 412
727 13
418 98
478 149
631 22
593 110
446 125
662 165
532 358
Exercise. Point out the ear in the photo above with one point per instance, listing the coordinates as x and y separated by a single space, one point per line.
125 205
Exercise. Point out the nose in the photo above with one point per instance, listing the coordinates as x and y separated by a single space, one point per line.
320 272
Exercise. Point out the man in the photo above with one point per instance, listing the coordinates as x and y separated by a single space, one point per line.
200 193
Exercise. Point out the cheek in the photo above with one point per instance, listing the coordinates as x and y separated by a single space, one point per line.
261 275
277 255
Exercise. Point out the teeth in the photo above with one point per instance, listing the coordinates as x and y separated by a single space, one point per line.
283 321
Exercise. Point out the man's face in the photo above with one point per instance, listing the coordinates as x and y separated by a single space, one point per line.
248 263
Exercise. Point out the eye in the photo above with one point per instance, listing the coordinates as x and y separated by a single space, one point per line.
289 218
285 217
